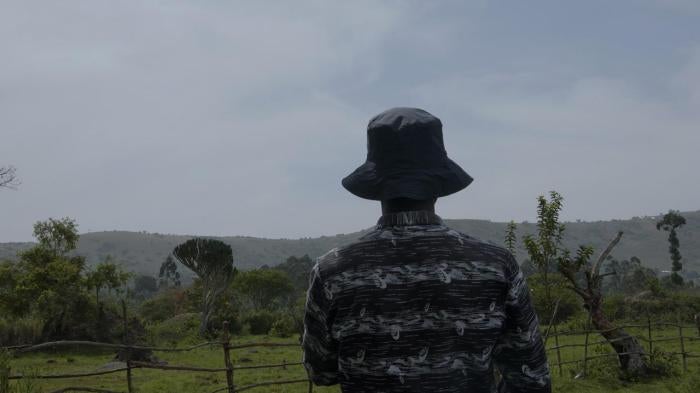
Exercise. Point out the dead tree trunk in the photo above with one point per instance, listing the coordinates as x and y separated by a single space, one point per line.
629 351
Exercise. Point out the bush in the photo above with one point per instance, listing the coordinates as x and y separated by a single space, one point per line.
260 322
569 303
284 326
667 308
26 330
183 327
606 367
5 370
163 306
662 364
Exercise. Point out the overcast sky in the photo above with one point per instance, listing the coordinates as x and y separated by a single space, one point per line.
241 118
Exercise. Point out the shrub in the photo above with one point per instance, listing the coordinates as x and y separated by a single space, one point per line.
260 322
163 306
284 326
5 370
604 367
183 327
569 303
26 330
667 308
663 364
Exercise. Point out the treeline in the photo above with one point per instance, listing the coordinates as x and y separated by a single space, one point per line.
48 293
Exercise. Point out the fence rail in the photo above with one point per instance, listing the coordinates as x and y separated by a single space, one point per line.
131 365
229 369
225 344
649 339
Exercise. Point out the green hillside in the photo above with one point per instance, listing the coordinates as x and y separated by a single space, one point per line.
143 252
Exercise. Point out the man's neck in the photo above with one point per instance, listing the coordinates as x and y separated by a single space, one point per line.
404 205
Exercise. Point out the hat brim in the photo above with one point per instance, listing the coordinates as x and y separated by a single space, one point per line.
421 184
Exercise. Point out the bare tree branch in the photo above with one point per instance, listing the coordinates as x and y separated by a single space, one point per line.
8 177
604 255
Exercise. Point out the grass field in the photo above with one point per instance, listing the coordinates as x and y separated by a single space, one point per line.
183 381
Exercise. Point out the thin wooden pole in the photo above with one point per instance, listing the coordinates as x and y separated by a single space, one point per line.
556 343
683 353
651 340
227 358
585 348
127 352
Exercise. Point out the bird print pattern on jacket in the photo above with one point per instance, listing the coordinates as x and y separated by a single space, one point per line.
414 306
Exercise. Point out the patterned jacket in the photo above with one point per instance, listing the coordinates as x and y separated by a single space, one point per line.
414 306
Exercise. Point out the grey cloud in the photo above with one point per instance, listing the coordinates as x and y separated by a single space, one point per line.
223 118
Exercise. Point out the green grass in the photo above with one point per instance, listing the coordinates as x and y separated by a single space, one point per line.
183 381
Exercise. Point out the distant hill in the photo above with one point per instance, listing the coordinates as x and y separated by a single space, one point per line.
143 252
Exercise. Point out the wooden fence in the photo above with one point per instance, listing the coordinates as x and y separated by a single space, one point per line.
647 337
229 369
130 365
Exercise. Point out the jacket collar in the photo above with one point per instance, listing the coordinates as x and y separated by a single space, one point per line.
416 217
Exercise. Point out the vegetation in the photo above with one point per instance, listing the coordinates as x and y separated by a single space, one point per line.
544 248
144 253
212 261
83 302
601 376
670 222
8 177
511 237
168 274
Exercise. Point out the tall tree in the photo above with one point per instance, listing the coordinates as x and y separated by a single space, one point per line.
511 237
297 268
212 261
168 274
543 250
51 281
58 236
107 275
670 222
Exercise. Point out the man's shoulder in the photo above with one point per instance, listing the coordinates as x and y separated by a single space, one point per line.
374 239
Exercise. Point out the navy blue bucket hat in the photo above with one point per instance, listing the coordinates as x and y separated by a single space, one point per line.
406 158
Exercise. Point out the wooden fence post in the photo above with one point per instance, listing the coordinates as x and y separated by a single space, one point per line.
127 352
585 349
227 358
680 336
651 342
556 343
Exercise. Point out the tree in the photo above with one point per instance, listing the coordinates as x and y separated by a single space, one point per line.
264 289
168 273
8 177
145 285
543 250
59 236
48 280
298 270
107 275
510 237
630 352
212 261
670 222
629 276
